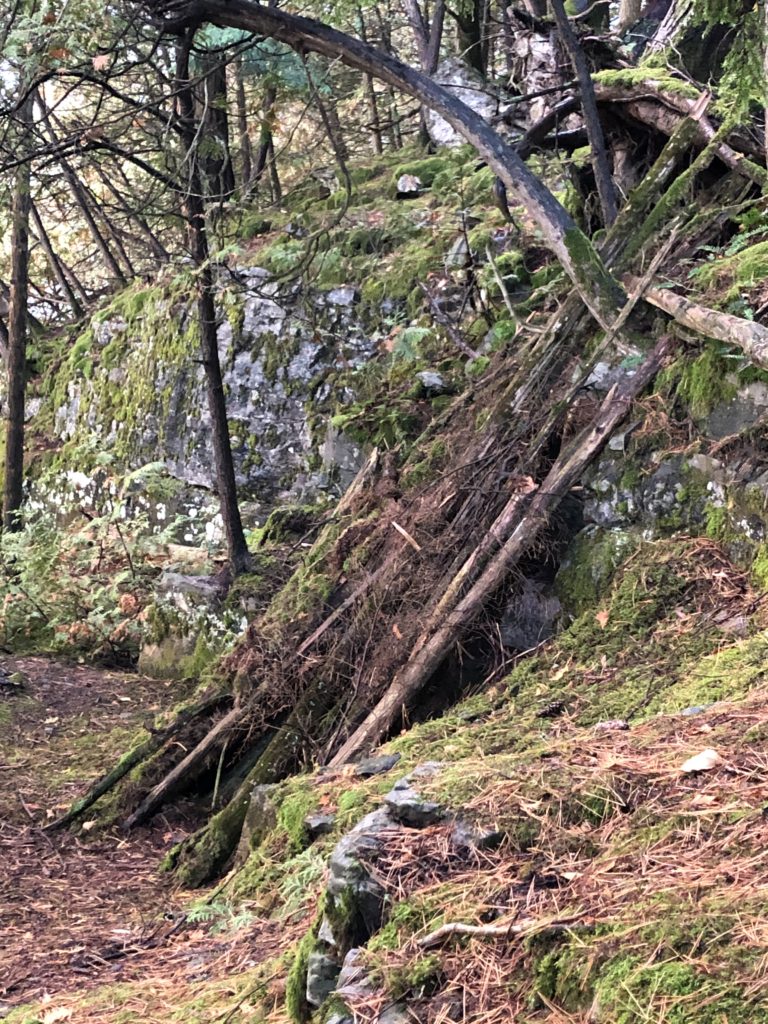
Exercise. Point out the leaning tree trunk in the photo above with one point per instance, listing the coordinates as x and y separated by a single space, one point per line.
57 267
241 107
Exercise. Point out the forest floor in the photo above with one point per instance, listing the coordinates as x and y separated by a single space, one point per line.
90 914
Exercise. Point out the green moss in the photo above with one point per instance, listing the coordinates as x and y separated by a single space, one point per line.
730 274
759 569
291 814
717 522
296 982
415 979
588 568
656 76
705 382
426 169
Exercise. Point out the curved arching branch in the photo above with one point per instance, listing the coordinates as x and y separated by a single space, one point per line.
600 292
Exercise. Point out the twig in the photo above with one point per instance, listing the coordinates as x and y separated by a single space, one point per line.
404 533
494 931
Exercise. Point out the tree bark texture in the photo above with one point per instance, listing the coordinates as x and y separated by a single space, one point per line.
21 204
237 549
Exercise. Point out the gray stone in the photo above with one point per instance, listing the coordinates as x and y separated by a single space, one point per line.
409 186
322 972
457 256
473 837
695 709
319 824
339 1018
260 819
376 765
348 876
425 770
354 979
468 86
343 296
271 360
531 615
406 806
325 933
432 383
188 593
612 725
342 458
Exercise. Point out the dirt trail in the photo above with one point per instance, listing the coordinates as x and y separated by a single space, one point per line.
75 909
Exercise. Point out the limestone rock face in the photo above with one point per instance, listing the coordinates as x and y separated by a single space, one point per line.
276 343
468 86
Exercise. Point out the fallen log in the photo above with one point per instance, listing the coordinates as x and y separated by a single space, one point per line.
524 530
174 778
750 337
663 110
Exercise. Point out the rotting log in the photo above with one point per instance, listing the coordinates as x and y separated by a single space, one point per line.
750 337
531 520
663 110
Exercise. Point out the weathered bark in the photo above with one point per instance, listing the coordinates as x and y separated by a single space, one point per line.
132 759
750 337
600 293
663 111
214 156
697 48
185 768
598 149
206 854
21 204
470 21
194 208
265 133
629 12
524 525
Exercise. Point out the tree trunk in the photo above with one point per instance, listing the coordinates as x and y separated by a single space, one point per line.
598 151
78 194
214 156
265 133
21 204
57 268
194 209
158 249
469 30
246 152
370 93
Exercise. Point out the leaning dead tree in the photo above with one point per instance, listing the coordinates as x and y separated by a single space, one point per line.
399 576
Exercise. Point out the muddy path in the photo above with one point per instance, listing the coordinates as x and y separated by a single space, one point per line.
78 908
